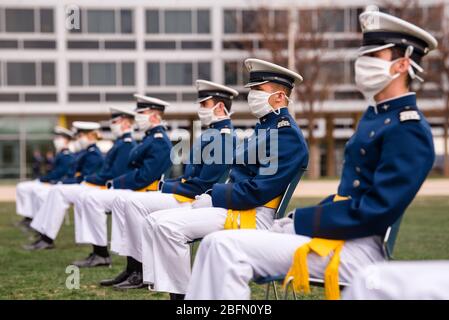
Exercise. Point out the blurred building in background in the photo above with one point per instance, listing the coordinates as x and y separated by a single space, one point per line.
52 75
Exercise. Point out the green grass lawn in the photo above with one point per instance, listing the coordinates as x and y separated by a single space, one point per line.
41 275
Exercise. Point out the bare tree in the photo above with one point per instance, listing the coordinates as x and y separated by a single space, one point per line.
436 18
309 44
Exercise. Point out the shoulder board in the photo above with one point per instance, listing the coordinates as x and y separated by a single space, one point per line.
158 135
409 115
283 122
129 139
225 131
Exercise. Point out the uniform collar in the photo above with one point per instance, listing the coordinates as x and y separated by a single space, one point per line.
283 111
154 129
126 135
220 124
408 99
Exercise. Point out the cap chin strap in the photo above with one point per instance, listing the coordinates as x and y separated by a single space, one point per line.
413 64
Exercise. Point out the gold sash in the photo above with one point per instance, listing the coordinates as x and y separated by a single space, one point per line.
247 218
182 199
151 187
323 247
94 185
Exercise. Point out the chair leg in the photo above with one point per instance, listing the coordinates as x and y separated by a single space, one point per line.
290 284
275 290
191 254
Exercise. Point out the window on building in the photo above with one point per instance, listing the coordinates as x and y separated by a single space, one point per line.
230 21
354 23
29 73
153 74
101 73
152 21
204 70
19 20
235 73
128 75
231 73
126 21
24 20
331 20
177 73
177 21
253 20
21 73
76 73
105 21
48 73
100 21
281 20
203 21
46 20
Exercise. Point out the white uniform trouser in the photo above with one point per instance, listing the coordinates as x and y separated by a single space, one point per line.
24 191
39 195
49 218
128 216
227 261
405 280
165 251
90 215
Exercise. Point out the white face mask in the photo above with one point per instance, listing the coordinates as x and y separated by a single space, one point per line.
76 146
84 143
142 122
116 129
207 115
372 75
59 144
258 103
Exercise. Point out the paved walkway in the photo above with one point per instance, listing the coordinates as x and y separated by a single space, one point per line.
321 188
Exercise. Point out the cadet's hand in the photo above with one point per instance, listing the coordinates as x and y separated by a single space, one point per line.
202 201
283 225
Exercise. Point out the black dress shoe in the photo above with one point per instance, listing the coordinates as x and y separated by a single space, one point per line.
93 260
119 279
25 225
134 281
39 245
177 296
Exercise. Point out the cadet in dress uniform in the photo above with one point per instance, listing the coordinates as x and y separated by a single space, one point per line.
128 213
147 162
63 162
116 163
401 280
46 222
386 161
251 197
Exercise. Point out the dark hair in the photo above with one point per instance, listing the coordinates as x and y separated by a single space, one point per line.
399 52
283 88
227 102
